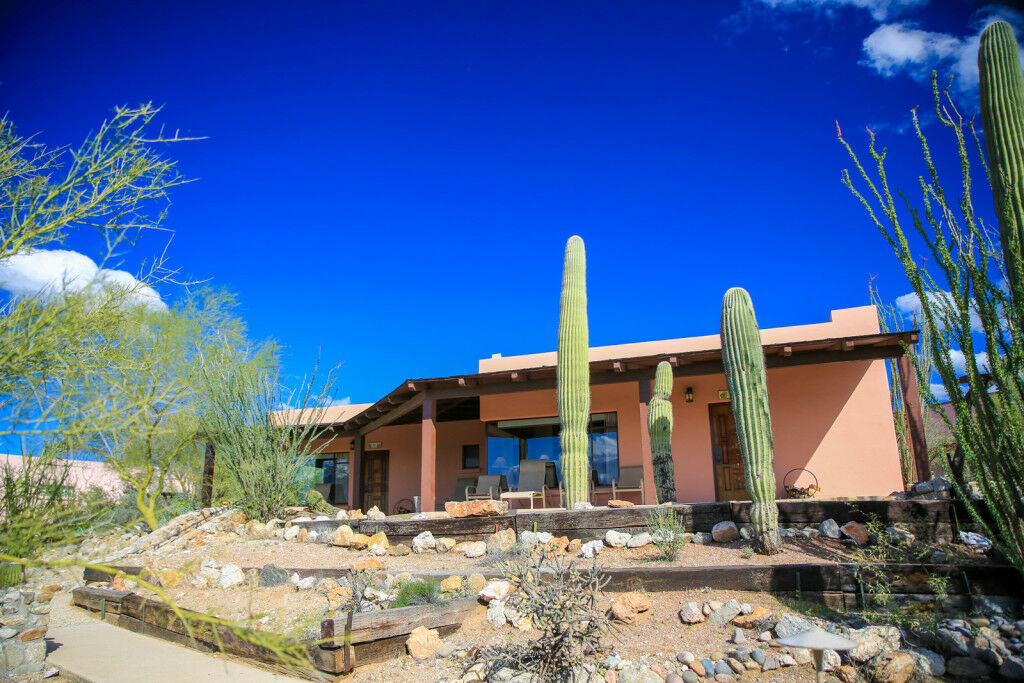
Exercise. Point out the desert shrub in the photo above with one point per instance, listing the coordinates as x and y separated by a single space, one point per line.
418 593
667 532
172 506
315 502
561 599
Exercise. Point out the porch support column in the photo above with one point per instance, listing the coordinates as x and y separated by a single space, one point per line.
915 420
650 491
428 455
355 472
208 465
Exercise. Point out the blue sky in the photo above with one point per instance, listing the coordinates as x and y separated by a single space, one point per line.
389 185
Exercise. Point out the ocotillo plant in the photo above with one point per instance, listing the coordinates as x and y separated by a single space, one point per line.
574 375
746 378
659 426
1001 95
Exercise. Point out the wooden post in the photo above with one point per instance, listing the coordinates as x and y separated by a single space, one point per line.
428 456
650 490
915 420
208 464
355 473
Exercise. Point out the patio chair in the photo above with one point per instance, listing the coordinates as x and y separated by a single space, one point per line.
461 485
631 480
487 486
590 494
325 490
532 476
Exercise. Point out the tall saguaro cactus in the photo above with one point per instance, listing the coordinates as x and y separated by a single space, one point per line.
1001 94
574 375
745 375
659 426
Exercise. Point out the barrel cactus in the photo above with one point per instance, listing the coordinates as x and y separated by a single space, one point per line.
573 373
1001 94
659 426
743 359
11 574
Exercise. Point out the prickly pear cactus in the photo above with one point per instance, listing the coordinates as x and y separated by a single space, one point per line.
1001 96
573 373
315 502
659 426
743 358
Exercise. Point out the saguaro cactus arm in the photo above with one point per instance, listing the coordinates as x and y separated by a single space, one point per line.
573 373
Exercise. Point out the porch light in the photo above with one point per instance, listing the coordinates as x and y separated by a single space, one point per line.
689 395
817 641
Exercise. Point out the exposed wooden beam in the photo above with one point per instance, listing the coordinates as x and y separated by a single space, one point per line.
915 420
411 386
618 366
386 419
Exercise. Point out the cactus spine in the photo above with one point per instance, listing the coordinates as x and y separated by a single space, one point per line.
743 358
659 426
573 373
1001 94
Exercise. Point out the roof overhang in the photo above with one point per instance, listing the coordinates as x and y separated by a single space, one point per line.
410 395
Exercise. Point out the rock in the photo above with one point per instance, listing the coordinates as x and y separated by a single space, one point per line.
900 535
929 663
306 583
445 545
342 537
896 667
231 575
423 643
628 607
976 542
953 643
787 660
471 548
341 514
616 539
477 582
496 613
966 667
723 532
873 640
447 650
857 531
790 624
639 675
291 532
377 550
336 594
702 537
829 528
690 676
544 537
399 550
170 578
831 660
724 614
574 546
375 513
765 636
424 542
381 539
746 531
495 590
1012 669
501 540
528 539
639 540
369 564
701 667
452 584
476 508
738 638
685 657
771 662
758 618
356 514
582 505
848 674
359 541
31 634
272 575
722 668
591 549
614 503
691 613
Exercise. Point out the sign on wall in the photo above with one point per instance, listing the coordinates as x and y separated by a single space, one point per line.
724 395
373 445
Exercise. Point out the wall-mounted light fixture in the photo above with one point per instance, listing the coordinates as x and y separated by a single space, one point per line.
689 395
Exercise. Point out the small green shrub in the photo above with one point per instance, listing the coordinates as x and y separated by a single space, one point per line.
748 552
668 533
315 502
418 593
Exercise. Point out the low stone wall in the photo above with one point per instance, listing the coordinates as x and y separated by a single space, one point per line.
24 619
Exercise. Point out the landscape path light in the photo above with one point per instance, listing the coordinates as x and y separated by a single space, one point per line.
817 641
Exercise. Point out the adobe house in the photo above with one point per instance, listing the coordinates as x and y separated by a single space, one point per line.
830 404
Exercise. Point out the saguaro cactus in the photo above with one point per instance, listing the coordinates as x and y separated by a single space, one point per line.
745 375
659 426
574 375
1001 94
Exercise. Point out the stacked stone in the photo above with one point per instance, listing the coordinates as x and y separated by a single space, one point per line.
24 616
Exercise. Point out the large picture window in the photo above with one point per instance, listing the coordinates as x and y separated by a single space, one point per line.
334 469
510 441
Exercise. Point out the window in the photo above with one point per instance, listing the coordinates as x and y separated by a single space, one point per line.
510 441
334 469
471 456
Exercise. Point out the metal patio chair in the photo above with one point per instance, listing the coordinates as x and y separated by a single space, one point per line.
487 486
630 480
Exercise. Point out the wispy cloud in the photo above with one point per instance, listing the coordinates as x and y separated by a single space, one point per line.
46 273
340 401
910 305
880 9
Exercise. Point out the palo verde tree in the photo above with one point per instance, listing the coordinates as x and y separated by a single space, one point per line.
971 289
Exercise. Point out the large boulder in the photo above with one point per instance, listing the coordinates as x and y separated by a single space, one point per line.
591 549
272 575
639 540
829 528
616 539
231 575
471 548
424 542
723 532
724 614
627 607
927 663
967 668
342 537
872 641
790 624
476 508
691 613
857 532
502 540
423 643
894 667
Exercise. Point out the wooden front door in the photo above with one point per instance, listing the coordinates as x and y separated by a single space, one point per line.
375 480
725 450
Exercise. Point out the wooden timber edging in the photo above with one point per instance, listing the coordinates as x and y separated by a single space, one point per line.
375 636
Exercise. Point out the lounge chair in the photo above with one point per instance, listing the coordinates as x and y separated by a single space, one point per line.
461 485
590 495
487 486
631 480
532 475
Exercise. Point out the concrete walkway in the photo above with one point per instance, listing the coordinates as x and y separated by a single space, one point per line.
96 652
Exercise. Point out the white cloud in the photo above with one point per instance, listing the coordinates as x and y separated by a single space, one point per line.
46 273
340 401
880 9
939 391
959 361
910 305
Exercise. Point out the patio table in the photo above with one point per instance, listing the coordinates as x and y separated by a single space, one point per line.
518 495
